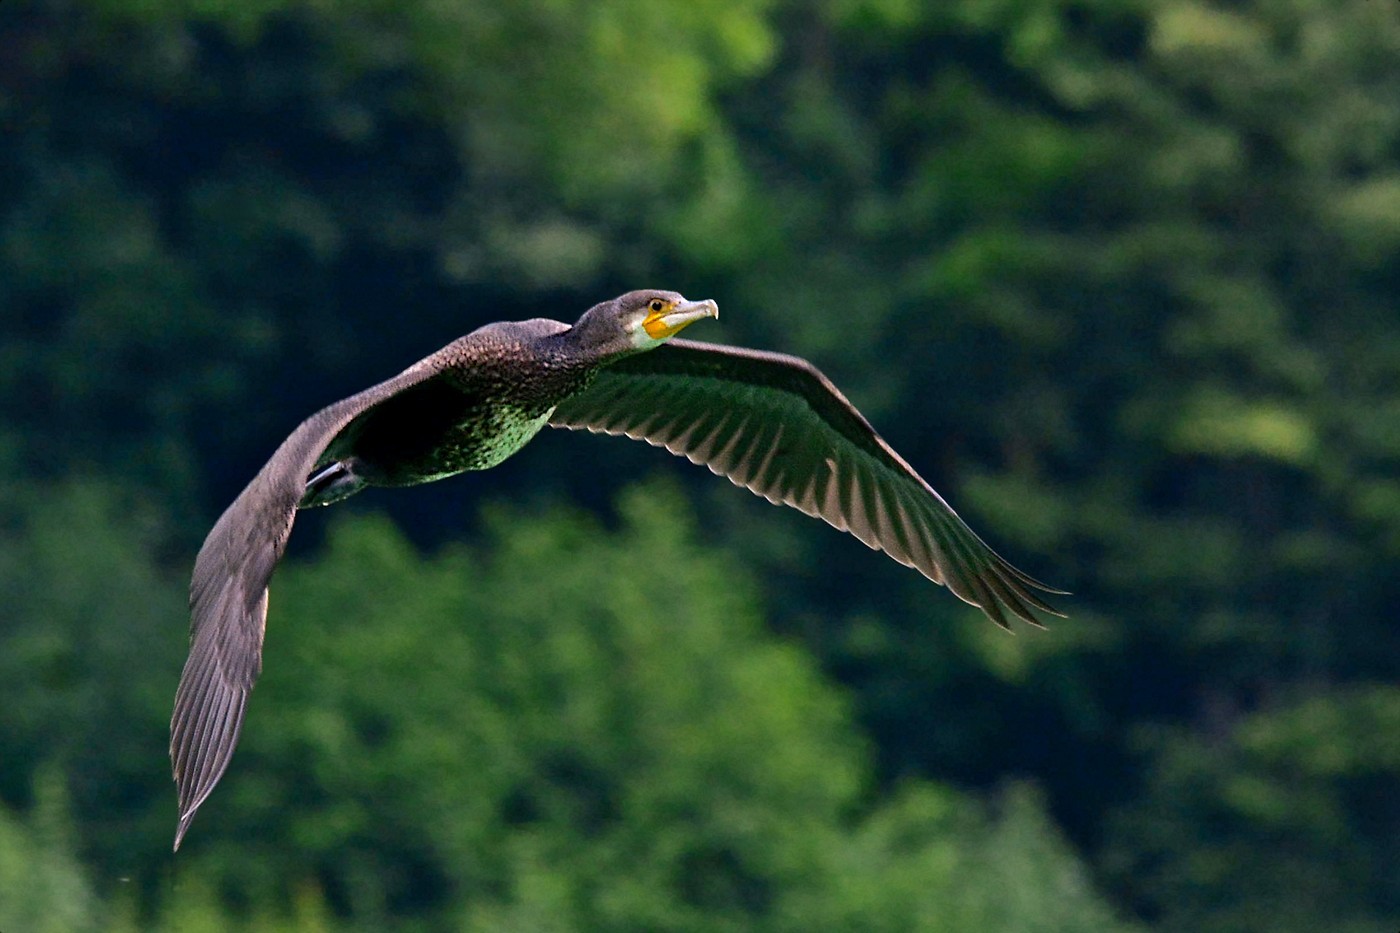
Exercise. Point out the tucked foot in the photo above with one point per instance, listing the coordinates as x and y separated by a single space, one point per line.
331 483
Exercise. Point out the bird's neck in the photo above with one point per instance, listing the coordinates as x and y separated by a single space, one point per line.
580 346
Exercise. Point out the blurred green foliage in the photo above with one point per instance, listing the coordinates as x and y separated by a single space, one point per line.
44 887
1118 278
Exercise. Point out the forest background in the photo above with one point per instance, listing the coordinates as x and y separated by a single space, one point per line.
1119 278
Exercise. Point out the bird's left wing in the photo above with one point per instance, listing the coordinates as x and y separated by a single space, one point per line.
228 596
775 425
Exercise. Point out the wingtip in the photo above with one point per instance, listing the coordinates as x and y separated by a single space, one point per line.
1031 581
180 830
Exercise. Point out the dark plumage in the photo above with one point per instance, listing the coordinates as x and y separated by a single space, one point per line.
769 422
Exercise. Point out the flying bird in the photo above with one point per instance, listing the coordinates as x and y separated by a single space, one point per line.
766 421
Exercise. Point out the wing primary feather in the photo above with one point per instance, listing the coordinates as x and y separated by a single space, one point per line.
913 543
703 451
831 508
1031 581
988 603
886 528
964 580
766 479
724 459
758 464
745 455
854 506
982 564
935 568
806 501
1025 592
1009 597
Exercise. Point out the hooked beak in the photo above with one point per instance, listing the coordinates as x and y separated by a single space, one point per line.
669 322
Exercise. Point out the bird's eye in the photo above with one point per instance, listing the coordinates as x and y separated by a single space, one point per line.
657 306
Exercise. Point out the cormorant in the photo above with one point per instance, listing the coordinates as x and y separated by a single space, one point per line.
769 422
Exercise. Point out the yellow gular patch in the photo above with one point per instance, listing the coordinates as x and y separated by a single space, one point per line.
655 324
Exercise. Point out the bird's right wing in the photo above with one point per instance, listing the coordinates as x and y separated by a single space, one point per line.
228 596
775 425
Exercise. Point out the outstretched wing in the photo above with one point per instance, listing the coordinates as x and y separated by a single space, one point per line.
775 425
228 595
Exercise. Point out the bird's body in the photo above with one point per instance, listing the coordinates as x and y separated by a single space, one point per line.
490 392
769 422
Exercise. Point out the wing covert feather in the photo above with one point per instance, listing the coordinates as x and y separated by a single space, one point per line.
775 425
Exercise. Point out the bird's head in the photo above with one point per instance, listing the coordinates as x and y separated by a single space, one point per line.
639 320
